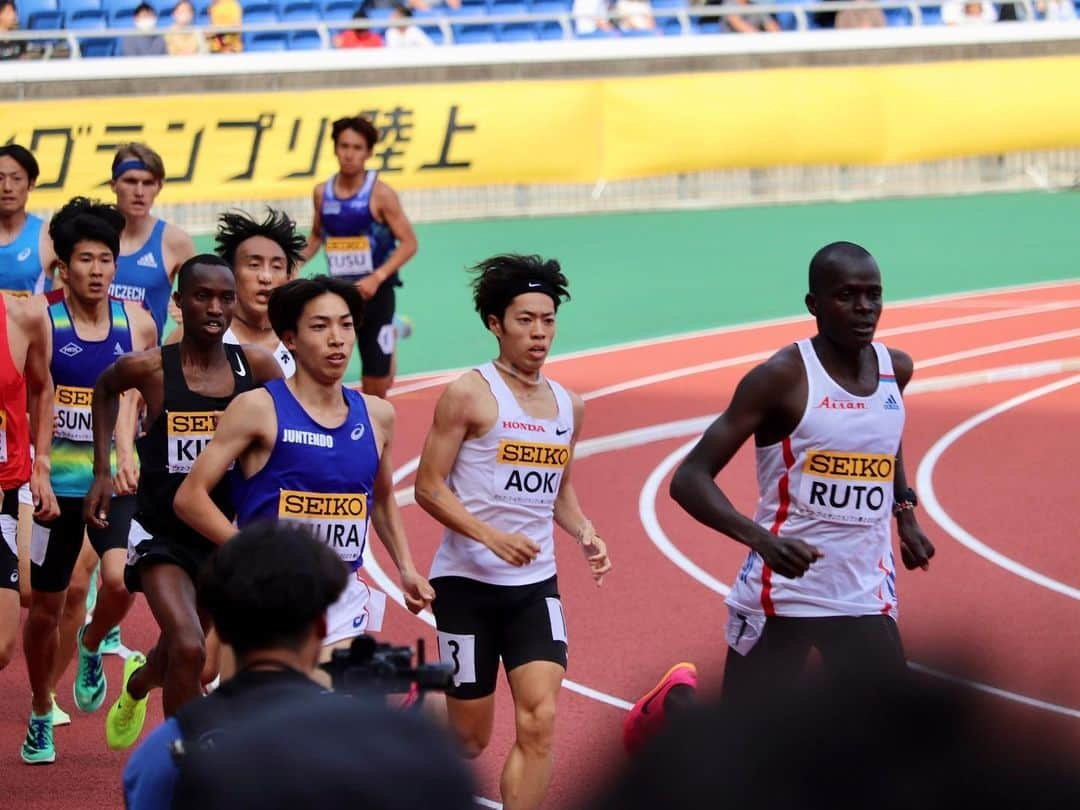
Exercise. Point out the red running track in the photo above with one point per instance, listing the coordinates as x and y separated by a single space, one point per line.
1007 482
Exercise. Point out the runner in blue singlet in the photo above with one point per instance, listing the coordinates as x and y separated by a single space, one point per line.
26 252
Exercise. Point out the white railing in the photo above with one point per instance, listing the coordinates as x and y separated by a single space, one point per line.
49 41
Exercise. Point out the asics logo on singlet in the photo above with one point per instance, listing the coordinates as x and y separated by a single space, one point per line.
359 621
71 349
146 260
891 404
841 404
24 254
357 433
292 436
508 425
14 576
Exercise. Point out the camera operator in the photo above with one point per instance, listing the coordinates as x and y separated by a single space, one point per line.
267 591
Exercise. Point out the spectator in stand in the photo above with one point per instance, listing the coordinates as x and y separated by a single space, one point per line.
752 23
965 13
358 36
591 16
226 12
181 40
1056 10
402 33
149 45
9 21
635 15
860 18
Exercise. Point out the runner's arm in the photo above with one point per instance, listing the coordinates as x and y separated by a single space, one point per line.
243 425
40 392
123 375
388 206
315 238
693 487
180 247
569 514
264 367
448 430
143 337
386 515
915 547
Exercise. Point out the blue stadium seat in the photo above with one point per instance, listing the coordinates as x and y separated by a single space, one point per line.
635 34
663 5
98 47
87 19
931 15
264 13
302 11
379 14
110 7
435 34
265 41
897 16
599 33
475 6
515 32
507 7
473 34
69 7
305 41
46 21
552 6
28 8
337 10
549 30
711 28
671 26
258 7
125 18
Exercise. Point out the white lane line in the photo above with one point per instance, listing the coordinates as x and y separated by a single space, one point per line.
647 514
728 362
431 379
925 486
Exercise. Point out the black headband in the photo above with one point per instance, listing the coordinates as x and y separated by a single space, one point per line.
522 286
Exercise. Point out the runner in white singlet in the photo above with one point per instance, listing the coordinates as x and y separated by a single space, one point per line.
495 472
827 416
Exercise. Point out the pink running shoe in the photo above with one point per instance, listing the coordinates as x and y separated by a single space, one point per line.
647 717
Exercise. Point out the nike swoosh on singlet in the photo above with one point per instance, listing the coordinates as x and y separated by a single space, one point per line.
239 368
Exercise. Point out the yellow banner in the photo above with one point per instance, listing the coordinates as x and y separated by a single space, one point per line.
255 146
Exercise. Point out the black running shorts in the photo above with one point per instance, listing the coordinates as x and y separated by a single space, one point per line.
62 537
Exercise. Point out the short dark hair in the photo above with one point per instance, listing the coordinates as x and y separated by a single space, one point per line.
266 586
199 260
288 300
20 154
236 227
834 256
403 9
5 3
139 9
499 280
358 124
87 220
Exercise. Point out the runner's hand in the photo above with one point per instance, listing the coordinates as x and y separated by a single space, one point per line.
126 480
417 590
368 286
97 501
41 492
516 549
595 553
787 556
915 547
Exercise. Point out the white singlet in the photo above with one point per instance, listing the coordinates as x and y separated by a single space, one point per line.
830 483
281 354
509 478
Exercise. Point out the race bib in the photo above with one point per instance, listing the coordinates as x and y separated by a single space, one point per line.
3 437
73 419
529 472
187 434
339 520
349 255
842 487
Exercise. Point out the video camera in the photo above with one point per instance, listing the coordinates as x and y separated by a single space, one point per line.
371 666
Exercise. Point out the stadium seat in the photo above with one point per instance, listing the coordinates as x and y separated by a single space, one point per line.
264 13
550 30
662 5
599 33
671 26
70 7
474 7
515 32
265 41
46 21
634 33
552 6
27 8
710 28
435 34
473 34
508 7
98 47
110 7
337 10
379 14
87 19
931 15
300 10
125 18
897 16
305 41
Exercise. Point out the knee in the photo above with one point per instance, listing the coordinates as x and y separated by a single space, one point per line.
44 613
187 651
536 726
473 743
113 588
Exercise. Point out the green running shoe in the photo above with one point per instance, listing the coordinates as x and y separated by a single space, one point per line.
91 592
111 644
59 716
126 717
89 687
37 748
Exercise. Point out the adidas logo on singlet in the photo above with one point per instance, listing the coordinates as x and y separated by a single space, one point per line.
891 404
71 349
147 260
118 349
